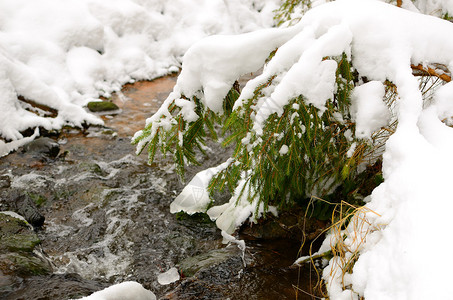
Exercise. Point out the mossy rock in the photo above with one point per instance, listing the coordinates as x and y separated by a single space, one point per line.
23 264
101 106
93 168
17 245
38 199
16 235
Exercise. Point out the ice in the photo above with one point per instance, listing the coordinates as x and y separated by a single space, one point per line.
168 277
195 197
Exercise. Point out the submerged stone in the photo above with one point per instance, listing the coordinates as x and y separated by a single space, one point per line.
192 265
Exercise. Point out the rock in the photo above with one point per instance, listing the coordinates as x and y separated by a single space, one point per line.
191 265
211 273
18 254
5 181
23 264
24 205
100 106
16 235
43 146
52 286
93 168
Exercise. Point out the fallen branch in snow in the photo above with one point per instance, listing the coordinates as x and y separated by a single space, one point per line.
439 71
47 110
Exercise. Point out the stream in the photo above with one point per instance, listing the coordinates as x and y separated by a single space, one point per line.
107 218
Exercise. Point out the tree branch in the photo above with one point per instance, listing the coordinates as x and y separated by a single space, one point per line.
437 70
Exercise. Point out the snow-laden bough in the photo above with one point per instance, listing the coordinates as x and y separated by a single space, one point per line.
408 214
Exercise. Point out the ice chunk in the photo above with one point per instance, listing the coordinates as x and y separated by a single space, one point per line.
168 277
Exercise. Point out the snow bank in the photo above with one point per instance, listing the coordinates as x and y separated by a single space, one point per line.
63 54
128 290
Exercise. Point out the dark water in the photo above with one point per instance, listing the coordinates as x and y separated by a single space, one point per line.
107 218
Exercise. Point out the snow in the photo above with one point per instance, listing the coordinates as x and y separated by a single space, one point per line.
6 148
128 290
17 216
283 150
194 198
168 277
63 54
369 111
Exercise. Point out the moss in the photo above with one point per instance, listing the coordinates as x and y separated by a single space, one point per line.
20 242
23 264
93 168
16 235
17 242
38 199
99 106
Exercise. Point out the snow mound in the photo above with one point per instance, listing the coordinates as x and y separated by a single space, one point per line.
129 290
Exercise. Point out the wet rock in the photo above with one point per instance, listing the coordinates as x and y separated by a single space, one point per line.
18 255
16 235
42 146
24 205
5 181
211 273
93 168
191 265
23 264
54 286
101 106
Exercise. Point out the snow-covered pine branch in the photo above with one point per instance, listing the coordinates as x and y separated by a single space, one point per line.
335 66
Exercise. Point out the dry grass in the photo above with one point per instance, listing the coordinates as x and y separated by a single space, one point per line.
347 234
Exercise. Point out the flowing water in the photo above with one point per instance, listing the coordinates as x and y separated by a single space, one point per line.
107 218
